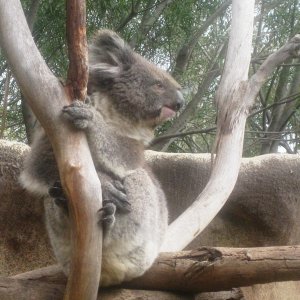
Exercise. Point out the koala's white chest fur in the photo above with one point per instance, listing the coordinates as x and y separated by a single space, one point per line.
127 258
138 132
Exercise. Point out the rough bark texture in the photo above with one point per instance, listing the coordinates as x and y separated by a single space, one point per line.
263 210
205 269
12 289
23 241
79 286
77 49
215 269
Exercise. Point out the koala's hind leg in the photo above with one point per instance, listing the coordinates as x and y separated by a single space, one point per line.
114 200
113 195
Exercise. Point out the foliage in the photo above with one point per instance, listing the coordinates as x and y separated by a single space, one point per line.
158 29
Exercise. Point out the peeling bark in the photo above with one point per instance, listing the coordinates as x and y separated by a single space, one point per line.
77 49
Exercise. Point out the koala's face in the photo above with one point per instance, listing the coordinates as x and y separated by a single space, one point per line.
136 89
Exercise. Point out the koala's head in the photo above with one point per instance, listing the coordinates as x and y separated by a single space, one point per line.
128 84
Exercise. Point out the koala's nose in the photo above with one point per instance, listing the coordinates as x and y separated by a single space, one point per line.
179 100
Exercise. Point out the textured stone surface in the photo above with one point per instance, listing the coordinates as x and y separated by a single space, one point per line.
264 209
23 241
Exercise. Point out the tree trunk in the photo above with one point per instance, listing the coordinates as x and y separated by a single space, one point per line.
47 96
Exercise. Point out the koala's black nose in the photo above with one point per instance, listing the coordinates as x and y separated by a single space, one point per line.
179 100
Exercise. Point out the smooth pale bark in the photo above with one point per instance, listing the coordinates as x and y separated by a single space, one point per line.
231 122
234 98
46 96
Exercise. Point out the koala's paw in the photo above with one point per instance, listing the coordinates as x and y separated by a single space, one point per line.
79 113
115 193
107 214
57 193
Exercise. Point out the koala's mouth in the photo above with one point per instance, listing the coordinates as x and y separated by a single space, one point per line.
167 113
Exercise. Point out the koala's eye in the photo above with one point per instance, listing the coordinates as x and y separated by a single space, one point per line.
159 85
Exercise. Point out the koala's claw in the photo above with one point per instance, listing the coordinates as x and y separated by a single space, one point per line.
79 113
115 193
63 203
107 214
57 192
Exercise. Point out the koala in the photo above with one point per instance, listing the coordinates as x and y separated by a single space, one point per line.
128 98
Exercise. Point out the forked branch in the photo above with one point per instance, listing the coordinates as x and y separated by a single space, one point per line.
229 138
234 98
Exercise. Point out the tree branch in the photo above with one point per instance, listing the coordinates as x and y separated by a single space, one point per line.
77 49
28 116
290 49
148 20
234 98
32 13
46 97
160 144
186 50
231 122
202 270
26 289
216 269
181 134
5 103
133 13
288 99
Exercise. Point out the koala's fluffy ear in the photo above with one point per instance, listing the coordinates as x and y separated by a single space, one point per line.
108 56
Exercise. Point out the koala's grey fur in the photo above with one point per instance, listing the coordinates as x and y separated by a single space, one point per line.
130 96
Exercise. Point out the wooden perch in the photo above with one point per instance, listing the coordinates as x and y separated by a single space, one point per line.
46 96
217 269
235 96
202 270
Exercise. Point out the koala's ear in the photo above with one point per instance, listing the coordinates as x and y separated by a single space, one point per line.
109 55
